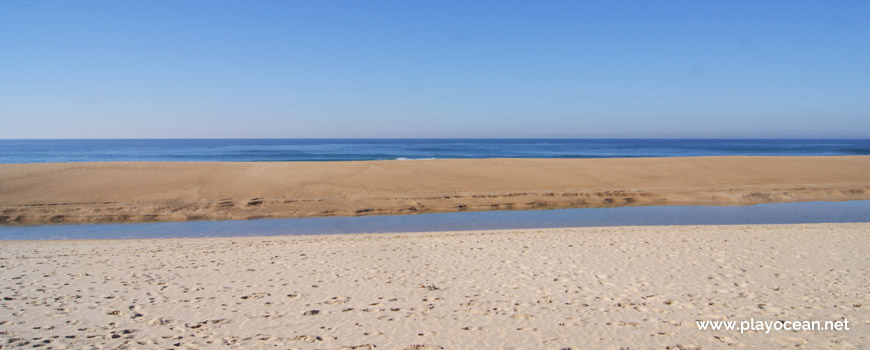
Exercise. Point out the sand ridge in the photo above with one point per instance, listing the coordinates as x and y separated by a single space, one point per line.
178 191
578 288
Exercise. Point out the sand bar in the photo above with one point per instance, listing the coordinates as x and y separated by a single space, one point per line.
177 191
578 288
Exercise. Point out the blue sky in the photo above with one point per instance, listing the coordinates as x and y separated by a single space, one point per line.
176 69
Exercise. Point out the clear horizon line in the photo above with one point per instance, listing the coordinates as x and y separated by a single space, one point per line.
448 138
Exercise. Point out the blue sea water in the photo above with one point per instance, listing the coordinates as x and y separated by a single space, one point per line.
40 151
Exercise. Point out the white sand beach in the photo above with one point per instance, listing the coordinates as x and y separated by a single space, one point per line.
577 288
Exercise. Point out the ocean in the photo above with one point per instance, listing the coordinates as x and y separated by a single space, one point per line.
272 150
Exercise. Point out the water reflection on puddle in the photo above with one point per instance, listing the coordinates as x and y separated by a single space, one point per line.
778 213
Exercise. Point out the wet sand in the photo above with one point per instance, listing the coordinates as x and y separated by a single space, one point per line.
578 288
178 191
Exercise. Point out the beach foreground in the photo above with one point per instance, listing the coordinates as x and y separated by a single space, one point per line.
178 191
579 288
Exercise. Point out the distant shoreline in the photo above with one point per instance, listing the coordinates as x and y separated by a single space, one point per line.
302 150
180 191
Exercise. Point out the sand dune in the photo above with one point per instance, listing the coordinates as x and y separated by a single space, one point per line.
173 191
578 288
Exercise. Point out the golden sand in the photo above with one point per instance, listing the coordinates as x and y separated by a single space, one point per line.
174 191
